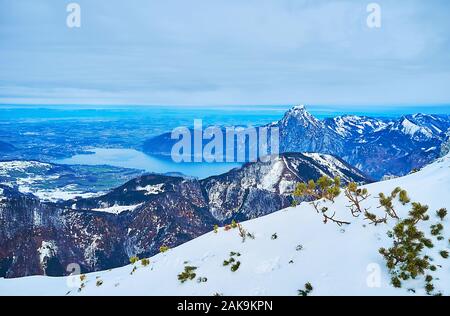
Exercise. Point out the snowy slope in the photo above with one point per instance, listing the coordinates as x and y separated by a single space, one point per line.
335 260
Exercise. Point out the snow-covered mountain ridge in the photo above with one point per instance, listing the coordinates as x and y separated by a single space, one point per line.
377 146
145 213
283 251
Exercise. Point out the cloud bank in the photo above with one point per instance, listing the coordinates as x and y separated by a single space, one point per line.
221 52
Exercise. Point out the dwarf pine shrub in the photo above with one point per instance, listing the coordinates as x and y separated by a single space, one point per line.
306 291
356 195
242 232
387 204
145 262
227 262
444 254
232 261
436 229
187 274
374 219
405 259
134 259
216 229
403 197
442 213
235 266
99 283
324 187
250 235
163 249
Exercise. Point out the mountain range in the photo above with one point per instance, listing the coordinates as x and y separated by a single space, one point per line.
146 213
377 146
292 252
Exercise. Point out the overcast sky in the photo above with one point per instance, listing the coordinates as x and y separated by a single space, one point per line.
218 52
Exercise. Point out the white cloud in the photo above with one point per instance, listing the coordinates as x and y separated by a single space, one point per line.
224 51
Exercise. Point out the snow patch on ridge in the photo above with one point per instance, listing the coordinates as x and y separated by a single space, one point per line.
151 189
47 250
117 209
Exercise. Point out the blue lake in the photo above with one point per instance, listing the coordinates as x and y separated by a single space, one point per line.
130 158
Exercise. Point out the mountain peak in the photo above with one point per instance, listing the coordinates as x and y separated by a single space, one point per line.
299 107
301 115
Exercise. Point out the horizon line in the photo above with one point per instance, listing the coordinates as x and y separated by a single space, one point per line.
385 105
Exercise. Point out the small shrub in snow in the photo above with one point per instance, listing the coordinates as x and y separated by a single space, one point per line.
356 195
436 229
187 274
228 262
234 224
163 249
444 254
274 236
250 235
396 282
327 217
299 248
133 270
83 277
145 262
442 213
387 204
307 290
403 197
429 288
235 266
134 259
242 232
216 229
231 261
418 213
323 188
99 283
375 219
405 259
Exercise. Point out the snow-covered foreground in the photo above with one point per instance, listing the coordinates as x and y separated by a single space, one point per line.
291 247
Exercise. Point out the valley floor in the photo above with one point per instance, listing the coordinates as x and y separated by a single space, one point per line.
291 247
